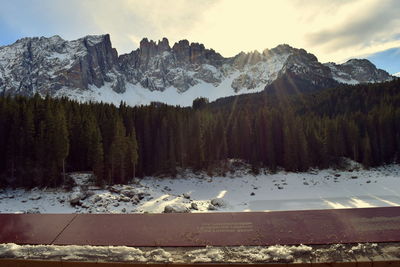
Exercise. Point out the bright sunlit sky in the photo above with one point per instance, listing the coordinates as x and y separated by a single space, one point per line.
333 30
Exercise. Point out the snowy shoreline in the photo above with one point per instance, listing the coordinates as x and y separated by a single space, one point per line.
366 252
236 192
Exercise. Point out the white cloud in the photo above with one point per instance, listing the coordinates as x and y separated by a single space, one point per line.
365 27
128 21
333 30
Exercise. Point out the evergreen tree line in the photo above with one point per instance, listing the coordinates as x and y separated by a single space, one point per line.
41 139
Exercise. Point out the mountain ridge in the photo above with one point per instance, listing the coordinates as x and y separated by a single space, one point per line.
90 69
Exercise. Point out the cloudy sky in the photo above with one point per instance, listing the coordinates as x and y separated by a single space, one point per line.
333 30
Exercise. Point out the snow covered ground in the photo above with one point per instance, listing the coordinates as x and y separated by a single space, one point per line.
366 252
240 191
130 254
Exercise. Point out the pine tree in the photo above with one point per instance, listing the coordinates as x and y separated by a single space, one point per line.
28 132
95 155
61 140
117 153
14 143
197 155
246 137
41 139
220 140
289 146
132 151
270 147
367 152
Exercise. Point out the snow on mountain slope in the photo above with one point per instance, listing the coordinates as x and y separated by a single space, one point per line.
136 94
396 74
339 75
356 71
90 69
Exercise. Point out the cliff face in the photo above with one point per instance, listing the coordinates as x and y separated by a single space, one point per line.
356 71
46 65
56 67
157 66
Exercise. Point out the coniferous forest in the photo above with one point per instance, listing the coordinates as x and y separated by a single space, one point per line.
41 139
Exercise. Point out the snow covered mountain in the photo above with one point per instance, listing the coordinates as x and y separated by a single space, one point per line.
90 69
396 74
357 71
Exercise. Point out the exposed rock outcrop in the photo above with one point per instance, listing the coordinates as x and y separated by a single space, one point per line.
176 208
55 66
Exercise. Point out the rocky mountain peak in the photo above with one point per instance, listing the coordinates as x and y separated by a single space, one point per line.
282 48
195 53
147 50
358 71
150 46
48 64
92 40
251 58
182 44
157 66
163 45
359 62
145 43
90 65
181 50
53 39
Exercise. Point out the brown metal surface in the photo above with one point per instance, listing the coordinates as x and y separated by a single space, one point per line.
215 229
234 229
32 228
163 229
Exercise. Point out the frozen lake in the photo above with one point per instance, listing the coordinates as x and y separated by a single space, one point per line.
241 191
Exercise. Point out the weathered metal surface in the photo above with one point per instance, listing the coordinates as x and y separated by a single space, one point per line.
235 229
215 229
32 228
202 229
